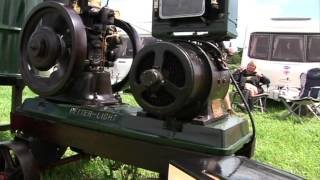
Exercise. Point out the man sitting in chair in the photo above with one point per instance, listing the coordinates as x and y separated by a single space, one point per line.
250 81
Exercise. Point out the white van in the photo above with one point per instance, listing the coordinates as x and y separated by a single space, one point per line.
283 49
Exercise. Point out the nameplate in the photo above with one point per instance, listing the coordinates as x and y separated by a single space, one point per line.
90 114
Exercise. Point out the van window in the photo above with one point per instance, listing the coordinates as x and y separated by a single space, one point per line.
126 51
259 46
313 52
148 40
288 48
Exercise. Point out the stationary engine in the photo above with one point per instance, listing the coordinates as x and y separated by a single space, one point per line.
179 77
64 56
64 53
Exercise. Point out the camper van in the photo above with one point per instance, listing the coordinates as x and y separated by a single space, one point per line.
283 49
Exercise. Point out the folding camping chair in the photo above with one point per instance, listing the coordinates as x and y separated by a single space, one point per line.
309 96
258 101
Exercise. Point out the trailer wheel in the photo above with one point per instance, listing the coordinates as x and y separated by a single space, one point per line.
17 162
45 153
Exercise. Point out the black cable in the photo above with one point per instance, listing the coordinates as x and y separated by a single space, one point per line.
245 104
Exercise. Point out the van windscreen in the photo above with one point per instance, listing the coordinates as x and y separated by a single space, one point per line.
126 51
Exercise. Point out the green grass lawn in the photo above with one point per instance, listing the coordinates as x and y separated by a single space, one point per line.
285 144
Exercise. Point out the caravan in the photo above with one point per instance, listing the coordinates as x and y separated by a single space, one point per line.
283 49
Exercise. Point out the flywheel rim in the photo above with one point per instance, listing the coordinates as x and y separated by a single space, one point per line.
180 93
78 51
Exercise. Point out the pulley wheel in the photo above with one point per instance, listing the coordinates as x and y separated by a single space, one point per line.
53 47
167 78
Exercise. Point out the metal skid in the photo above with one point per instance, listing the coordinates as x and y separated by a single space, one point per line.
123 136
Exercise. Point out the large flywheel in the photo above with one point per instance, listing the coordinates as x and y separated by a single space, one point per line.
53 47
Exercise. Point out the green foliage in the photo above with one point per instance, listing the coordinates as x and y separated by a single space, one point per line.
129 99
97 168
240 51
236 58
5 104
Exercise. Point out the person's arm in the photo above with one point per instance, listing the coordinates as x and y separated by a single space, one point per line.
263 79
238 74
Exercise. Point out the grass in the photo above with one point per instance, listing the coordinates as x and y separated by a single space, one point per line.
285 144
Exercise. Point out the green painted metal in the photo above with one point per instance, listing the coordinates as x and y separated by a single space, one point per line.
226 26
224 137
12 15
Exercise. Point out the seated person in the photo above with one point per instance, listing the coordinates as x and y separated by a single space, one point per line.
249 79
